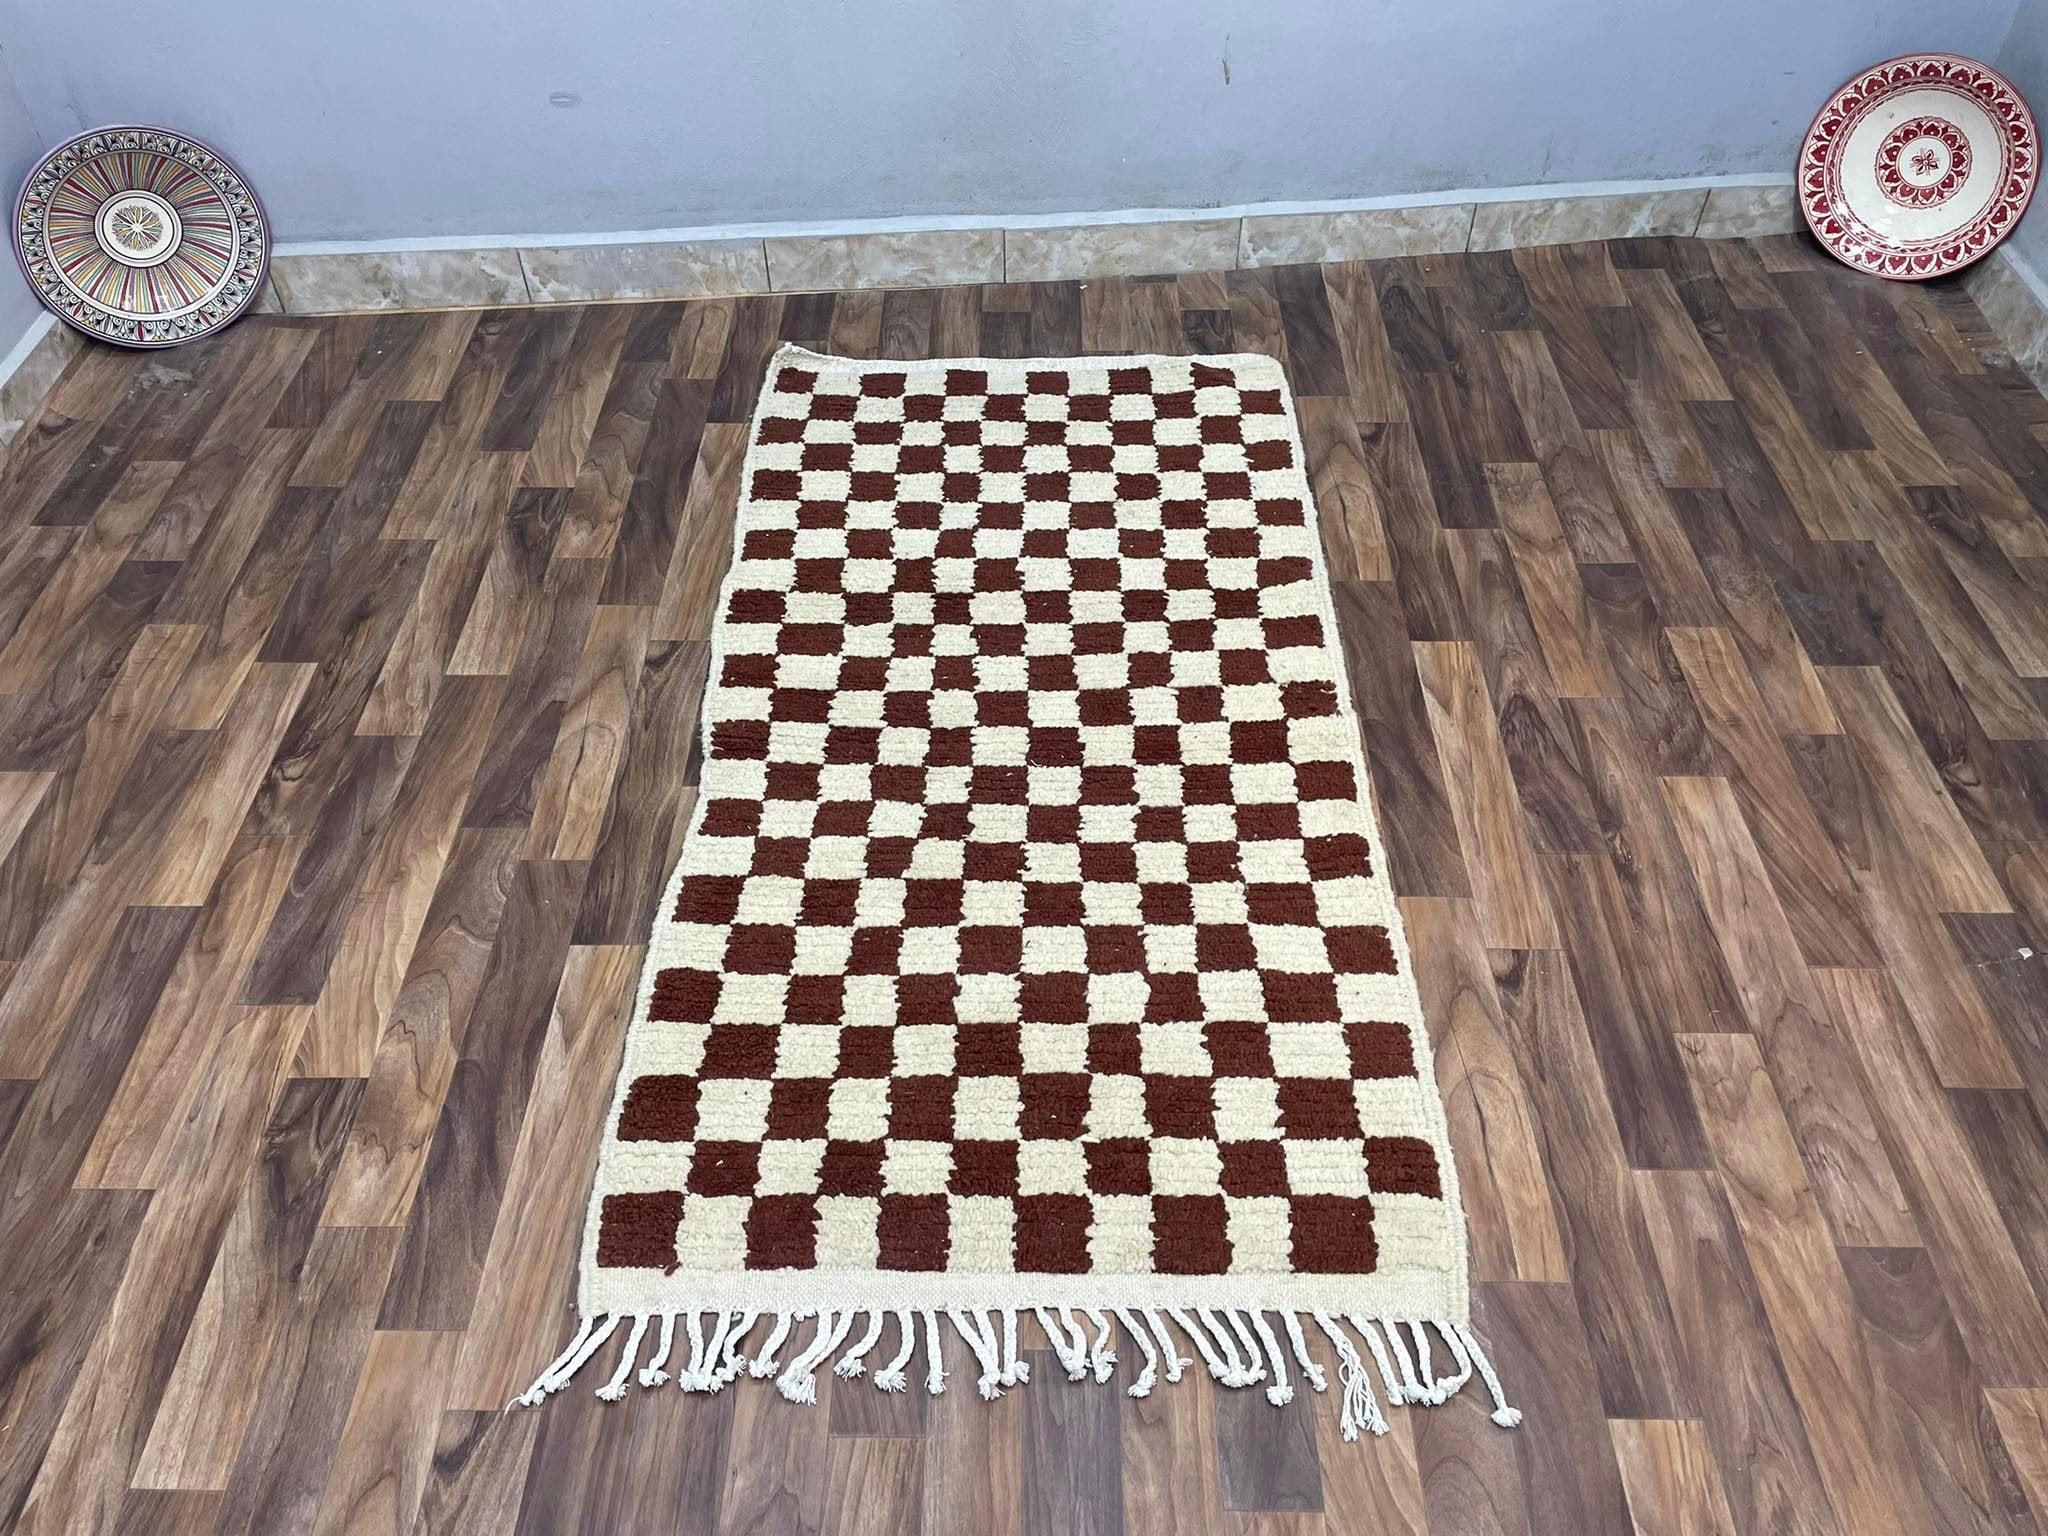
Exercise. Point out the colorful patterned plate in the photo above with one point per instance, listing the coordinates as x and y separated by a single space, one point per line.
1918 166
141 236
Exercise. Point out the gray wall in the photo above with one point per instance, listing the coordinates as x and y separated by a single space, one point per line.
385 118
19 148
2024 61
380 118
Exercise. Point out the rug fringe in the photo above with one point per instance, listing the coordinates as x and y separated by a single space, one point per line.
1240 1347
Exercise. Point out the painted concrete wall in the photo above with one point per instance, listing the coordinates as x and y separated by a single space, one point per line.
383 118
19 148
2023 59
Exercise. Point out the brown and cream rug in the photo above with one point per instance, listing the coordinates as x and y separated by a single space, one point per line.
1032 946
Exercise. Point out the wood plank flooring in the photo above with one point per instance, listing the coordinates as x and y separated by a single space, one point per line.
1696 598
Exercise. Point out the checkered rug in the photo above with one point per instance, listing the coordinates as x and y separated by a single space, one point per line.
1031 950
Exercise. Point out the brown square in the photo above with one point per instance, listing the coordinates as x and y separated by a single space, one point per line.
1332 1235
914 1232
1052 1234
782 1232
1190 1235
638 1231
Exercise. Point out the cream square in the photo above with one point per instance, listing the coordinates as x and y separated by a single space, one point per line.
924 1050
806 1050
984 1235
1054 949
1185 1165
916 1167
1392 1106
1309 1050
1051 1168
790 1167
929 951
1174 1048
1054 1047
849 1232
1413 1231
1120 1239
1247 1109
713 1233
1325 1167
1261 1238
1118 997
986 999
858 1109
732 1109
986 1109
1116 1107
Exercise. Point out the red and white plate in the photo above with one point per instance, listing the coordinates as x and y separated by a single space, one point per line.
1918 166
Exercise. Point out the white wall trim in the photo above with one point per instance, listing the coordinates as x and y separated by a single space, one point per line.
917 223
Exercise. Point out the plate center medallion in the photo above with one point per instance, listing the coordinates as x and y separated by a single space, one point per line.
1923 162
139 229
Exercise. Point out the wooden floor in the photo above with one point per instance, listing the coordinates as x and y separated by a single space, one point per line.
1694 597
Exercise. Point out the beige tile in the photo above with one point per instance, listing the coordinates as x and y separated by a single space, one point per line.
1736 213
314 285
1565 220
1119 250
23 391
1365 234
670 269
911 259
267 302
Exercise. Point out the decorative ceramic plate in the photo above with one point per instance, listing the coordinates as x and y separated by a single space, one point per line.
1918 166
141 236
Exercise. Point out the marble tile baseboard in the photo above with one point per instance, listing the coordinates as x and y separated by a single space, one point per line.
1737 213
315 281
327 284
2015 309
23 391
1364 234
1053 255
672 269
924 258
1567 220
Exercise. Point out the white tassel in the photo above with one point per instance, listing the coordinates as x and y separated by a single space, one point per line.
764 1362
589 1338
1176 1362
1221 1366
850 1363
799 1384
653 1375
1503 1415
1412 1389
1310 1371
1101 1358
1241 1346
935 1367
1359 1408
1370 1334
706 1378
983 1343
1450 1384
734 1363
891 1378
1253 1370
692 1377
1068 1342
1142 1387
1016 1369
1281 1393
615 1389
